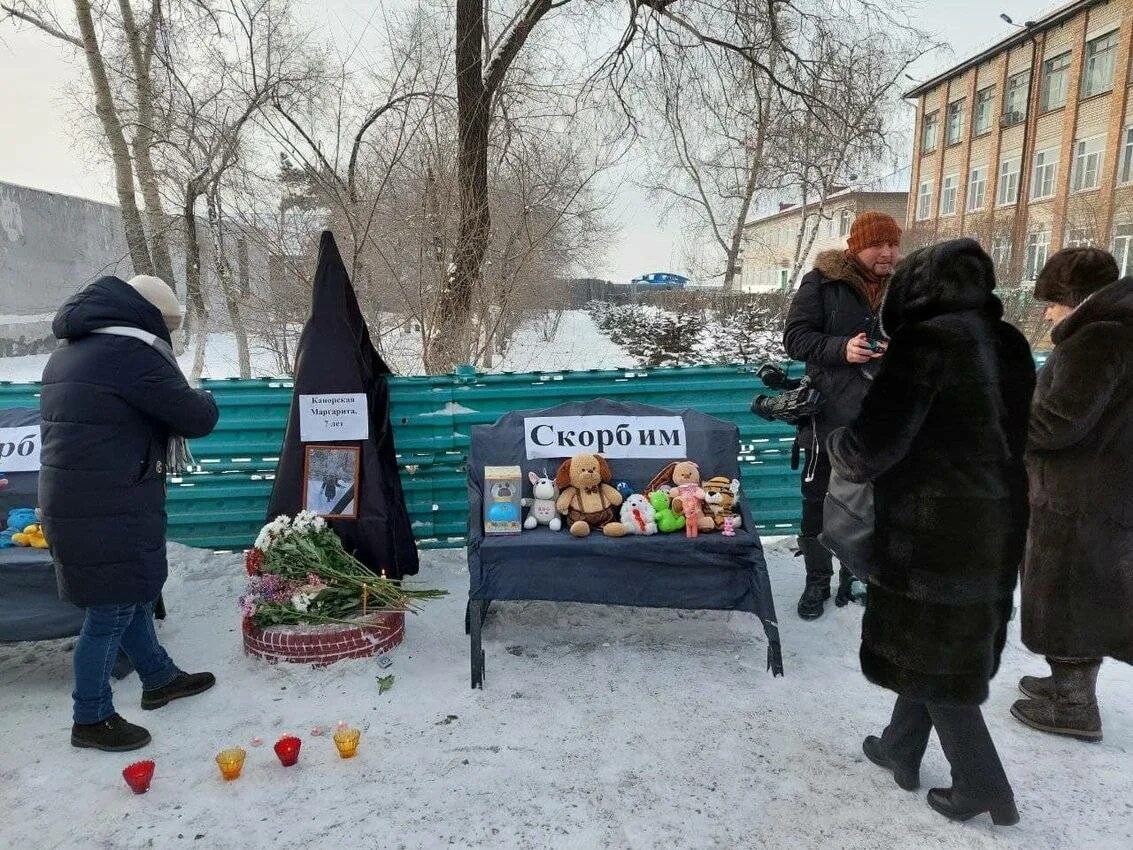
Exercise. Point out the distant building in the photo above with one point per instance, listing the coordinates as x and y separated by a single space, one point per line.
1028 145
771 243
52 245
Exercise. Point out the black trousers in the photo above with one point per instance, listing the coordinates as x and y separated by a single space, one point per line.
977 773
817 469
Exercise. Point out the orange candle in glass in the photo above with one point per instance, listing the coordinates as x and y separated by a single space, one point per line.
231 762
347 742
287 748
138 776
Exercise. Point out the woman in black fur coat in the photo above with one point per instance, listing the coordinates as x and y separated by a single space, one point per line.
941 435
1078 576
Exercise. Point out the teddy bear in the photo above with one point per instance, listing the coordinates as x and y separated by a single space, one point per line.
542 504
667 521
681 479
586 498
638 516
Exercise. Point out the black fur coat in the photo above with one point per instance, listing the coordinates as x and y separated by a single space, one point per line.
941 435
1078 578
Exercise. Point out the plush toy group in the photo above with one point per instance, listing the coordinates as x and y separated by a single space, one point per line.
23 529
583 491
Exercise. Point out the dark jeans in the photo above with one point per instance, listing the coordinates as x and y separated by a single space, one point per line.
106 629
977 773
814 491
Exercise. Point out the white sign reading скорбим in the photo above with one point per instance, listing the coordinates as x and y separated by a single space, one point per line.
610 436
19 449
333 417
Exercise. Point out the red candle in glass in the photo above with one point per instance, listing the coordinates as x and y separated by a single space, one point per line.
287 748
138 776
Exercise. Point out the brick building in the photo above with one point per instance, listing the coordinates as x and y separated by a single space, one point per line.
1028 146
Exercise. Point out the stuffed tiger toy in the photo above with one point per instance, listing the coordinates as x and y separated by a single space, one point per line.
720 494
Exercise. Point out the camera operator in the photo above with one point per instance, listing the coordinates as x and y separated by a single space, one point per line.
832 327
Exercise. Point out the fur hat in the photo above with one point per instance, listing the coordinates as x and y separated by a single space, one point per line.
1074 274
157 292
873 228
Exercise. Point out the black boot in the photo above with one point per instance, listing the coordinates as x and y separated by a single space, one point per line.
1065 703
875 751
184 685
845 594
819 570
112 735
955 807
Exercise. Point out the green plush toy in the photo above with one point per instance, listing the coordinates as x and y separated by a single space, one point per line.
667 521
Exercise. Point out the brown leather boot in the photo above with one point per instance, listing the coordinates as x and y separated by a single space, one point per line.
1072 707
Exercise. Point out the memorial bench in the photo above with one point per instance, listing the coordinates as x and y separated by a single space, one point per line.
711 571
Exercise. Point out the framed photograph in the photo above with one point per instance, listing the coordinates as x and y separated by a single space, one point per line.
330 481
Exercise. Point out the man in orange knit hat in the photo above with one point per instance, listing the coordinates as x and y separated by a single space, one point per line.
832 327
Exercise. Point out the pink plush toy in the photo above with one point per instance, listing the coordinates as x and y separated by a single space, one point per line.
691 501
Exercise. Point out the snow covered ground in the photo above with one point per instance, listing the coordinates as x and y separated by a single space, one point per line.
577 344
598 727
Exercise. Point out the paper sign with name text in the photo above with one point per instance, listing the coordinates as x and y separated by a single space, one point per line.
343 416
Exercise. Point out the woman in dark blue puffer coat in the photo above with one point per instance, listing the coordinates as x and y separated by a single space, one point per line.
113 401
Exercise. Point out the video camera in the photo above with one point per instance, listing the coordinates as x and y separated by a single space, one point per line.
799 400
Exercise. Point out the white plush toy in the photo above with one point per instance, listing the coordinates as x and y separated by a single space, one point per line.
542 506
638 515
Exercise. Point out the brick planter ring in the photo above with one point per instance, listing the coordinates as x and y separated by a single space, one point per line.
325 643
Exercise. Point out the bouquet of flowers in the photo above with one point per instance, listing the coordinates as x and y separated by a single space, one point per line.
299 572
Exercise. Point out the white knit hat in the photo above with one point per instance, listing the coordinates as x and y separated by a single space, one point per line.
157 292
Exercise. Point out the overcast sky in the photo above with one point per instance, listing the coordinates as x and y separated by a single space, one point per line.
37 146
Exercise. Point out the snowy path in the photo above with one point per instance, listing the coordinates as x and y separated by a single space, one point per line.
599 727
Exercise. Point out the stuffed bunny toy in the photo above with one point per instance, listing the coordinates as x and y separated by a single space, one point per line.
542 504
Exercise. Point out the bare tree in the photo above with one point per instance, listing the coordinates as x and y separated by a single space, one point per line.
119 53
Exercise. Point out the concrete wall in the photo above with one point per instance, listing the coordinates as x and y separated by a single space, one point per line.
52 245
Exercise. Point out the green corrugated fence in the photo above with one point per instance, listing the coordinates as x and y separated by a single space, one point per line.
223 505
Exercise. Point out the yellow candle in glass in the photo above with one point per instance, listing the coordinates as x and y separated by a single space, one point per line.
347 742
231 762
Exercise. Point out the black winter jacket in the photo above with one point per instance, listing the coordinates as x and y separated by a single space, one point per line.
829 309
941 435
109 404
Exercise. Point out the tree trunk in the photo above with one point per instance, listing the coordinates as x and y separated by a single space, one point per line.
464 277
197 313
141 46
224 274
119 151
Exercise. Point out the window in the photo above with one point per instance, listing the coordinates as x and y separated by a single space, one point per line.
1038 246
981 121
845 219
948 195
1085 172
1097 73
1009 180
1123 247
1046 170
955 129
928 133
924 200
977 188
1079 237
1056 79
1015 98
1001 254
1127 156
